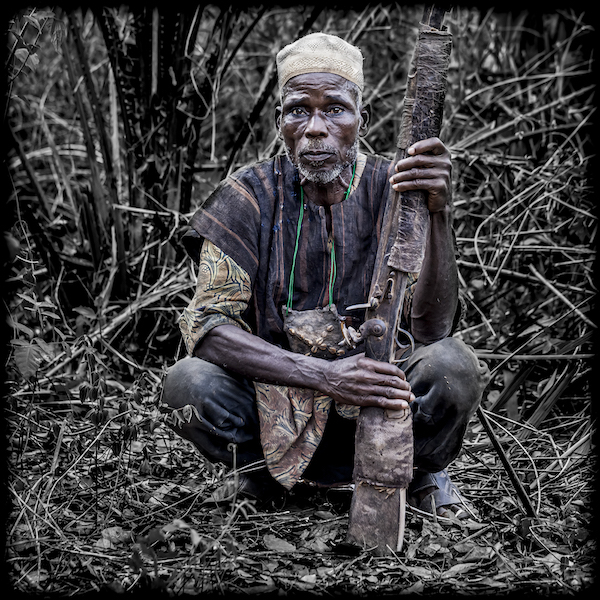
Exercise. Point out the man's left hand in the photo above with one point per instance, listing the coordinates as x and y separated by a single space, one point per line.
428 167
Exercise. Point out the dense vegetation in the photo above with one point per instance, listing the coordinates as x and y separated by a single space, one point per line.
121 122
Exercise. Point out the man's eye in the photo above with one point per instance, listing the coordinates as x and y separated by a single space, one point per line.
297 110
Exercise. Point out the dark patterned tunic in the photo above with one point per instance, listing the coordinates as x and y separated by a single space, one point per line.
244 239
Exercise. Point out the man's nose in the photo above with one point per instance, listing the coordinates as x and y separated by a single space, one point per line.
316 126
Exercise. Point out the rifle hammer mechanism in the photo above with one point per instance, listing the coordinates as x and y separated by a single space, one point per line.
376 328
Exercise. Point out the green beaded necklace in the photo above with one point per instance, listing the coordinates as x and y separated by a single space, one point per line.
332 269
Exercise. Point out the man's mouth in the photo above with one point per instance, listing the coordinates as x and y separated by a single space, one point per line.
315 155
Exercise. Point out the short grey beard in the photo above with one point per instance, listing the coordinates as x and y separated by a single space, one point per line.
324 177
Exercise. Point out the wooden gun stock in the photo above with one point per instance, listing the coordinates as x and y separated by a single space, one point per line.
383 462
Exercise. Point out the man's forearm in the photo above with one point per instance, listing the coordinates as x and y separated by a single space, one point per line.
436 294
254 358
353 380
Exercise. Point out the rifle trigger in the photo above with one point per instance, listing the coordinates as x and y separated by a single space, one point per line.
411 344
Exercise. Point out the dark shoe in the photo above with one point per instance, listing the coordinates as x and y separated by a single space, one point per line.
434 493
258 486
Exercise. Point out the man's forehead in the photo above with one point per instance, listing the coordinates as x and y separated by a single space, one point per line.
327 85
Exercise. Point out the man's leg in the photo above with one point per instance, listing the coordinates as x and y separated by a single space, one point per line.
446 378
448 381
225 405
228 416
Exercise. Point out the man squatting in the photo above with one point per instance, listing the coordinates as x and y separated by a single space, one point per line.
301 230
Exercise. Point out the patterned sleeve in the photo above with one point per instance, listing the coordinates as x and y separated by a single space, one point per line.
222 295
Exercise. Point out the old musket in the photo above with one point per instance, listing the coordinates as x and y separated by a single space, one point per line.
383 464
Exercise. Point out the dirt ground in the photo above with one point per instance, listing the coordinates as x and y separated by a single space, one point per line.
124 505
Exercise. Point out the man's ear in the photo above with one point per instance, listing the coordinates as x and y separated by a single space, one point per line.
365 119
278 112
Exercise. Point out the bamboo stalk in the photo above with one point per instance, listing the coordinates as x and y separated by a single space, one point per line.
154 59
208 88
105 208
109 33
54 153
115 143
49 254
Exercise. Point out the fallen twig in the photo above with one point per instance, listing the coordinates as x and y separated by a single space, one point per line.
506 463
560 295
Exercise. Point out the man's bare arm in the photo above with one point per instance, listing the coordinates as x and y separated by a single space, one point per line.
353 380
436 295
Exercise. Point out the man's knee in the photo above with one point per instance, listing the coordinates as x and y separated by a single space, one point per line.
225 409
451 368
187 379
222 399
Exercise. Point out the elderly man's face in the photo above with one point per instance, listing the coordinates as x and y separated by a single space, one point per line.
319 121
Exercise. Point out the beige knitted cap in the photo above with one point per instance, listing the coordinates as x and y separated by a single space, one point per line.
320 53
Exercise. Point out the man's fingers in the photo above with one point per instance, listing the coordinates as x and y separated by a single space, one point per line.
433 145
419 173
434 185
422 161
394 393
389 404
389 380
383 402
379 366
